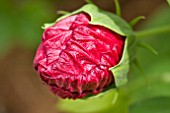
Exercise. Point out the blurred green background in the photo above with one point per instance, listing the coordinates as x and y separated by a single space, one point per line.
21 90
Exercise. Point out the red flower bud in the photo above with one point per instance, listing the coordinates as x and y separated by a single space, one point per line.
74 57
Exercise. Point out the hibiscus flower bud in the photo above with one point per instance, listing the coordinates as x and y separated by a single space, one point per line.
75 56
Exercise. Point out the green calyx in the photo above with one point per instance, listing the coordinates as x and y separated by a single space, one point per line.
117 24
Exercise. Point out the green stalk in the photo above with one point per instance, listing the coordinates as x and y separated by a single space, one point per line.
152 32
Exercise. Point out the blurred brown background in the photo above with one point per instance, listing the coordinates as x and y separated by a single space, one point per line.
21 90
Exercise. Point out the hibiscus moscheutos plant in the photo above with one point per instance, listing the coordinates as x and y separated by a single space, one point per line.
87 53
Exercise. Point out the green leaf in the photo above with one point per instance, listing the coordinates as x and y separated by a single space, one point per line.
155 97
154 105
158 75
168 2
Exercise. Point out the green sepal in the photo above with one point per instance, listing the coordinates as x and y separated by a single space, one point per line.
121 70
118 9
136 20
118 25
91 105
46 25
100 17
89 1
62 12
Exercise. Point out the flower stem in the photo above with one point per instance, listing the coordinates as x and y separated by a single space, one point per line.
152 32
